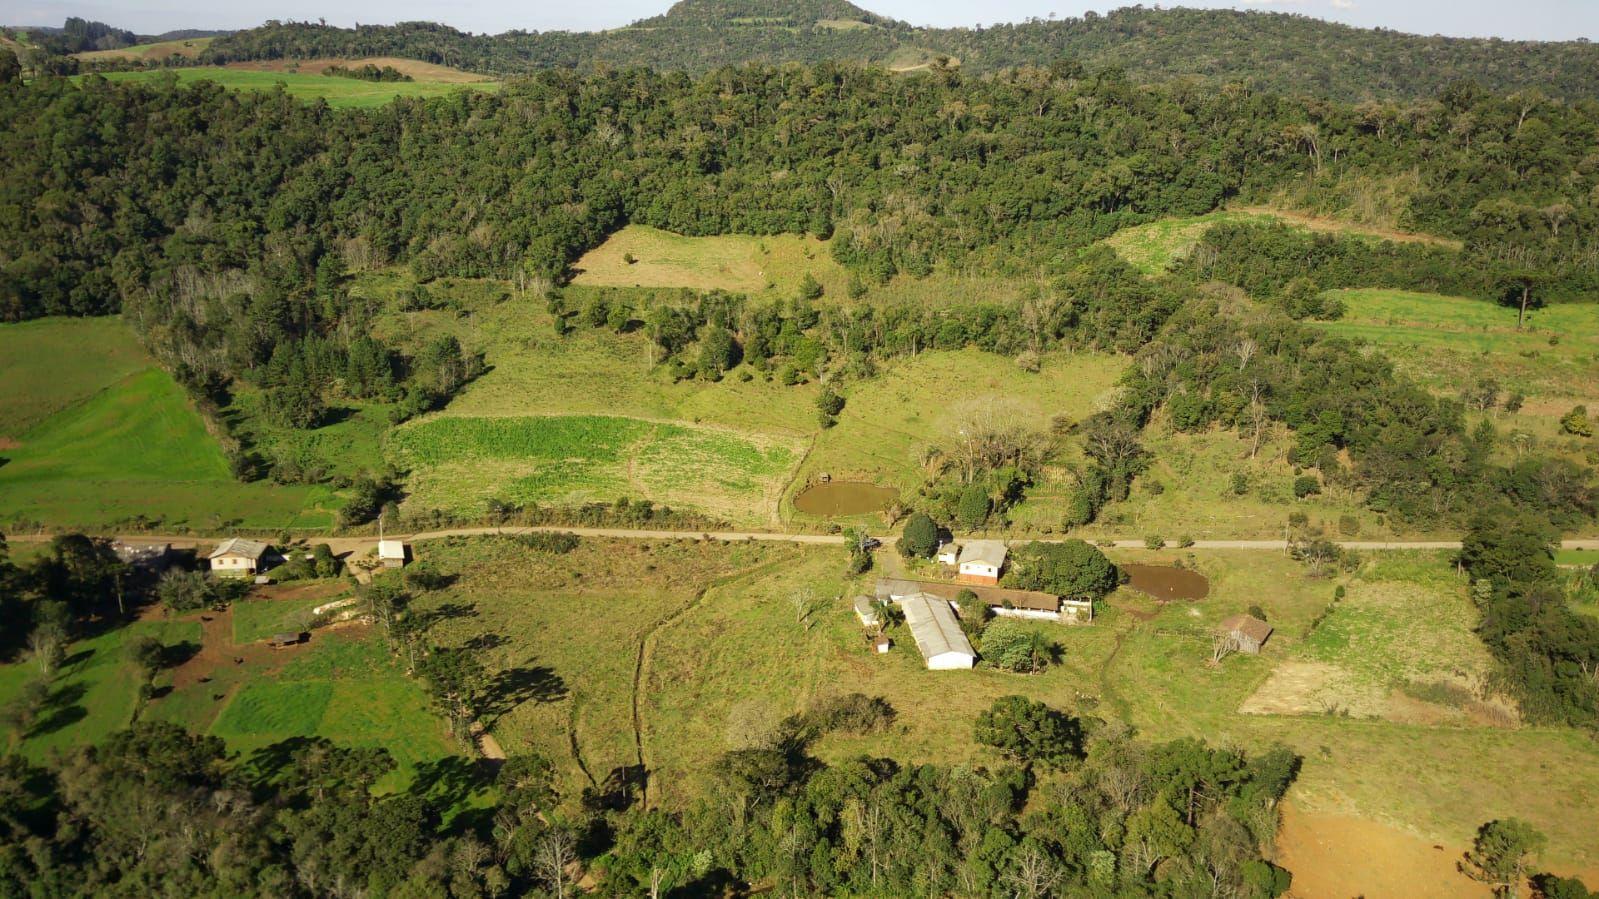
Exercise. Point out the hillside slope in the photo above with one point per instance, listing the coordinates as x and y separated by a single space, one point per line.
1272 51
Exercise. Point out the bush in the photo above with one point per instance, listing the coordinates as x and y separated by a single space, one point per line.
920 539
1071 568
852 713
1576 422
1349 525
1011 646
1240 483
1306 485
556 543
1154 541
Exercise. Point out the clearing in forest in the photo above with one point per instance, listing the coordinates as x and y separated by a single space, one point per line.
338 92
740 263
188 48
418 70
459 464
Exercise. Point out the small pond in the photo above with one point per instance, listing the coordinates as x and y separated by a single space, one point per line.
837 499
1165 582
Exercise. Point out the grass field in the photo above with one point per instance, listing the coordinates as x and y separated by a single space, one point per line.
338 92
417 69
1152 248
50 364
459 463
1447 342
186 47
94 692
1577 557
739 653
258 619
137 449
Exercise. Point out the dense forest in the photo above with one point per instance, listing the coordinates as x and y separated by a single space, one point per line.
1268 51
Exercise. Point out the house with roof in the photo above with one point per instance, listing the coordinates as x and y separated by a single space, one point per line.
1246 632
149 557
238 557
866 611
980 561
1002 601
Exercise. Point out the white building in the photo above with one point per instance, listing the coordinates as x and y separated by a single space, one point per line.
981 561
238 557
948 553
938 635
391 553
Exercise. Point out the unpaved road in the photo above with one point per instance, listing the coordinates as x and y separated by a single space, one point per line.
361 545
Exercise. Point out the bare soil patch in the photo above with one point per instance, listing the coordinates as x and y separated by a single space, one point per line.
217 650
421 71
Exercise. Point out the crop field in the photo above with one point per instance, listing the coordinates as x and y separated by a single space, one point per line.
420 71
338 92
138 449
740 658
186 47
93 693
347 689
1153 247
459 463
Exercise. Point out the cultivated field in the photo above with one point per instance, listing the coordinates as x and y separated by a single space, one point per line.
458 464
50 364
338 92
417 69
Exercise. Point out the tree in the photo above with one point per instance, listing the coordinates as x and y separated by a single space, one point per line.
810 288
718 352
1030 732
326 563
920 538
10 69
972 508
185 591
1500 854
828 405
1550 886
1508 550
1071 568
1014 647
1520 290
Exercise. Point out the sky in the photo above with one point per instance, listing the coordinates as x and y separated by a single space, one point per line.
1526 19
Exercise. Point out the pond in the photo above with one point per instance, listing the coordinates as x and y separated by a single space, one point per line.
1165 582
837 499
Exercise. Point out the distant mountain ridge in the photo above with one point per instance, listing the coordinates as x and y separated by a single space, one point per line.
1277 52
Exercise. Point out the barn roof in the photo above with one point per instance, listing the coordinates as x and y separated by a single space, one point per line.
238 546
1248 625
999 597
933 624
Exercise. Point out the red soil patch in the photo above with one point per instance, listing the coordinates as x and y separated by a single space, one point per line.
8 443
218 650
1334 856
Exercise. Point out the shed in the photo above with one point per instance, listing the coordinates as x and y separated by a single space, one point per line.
866 611
938 635
238 557
948 553
881 644
981 561
393 553
1246 631
278 641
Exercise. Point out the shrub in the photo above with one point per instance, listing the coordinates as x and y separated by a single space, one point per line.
1306 485
852 713
920 539
1154 541
556 543
1011 646
1576 422
1240 483
1348 525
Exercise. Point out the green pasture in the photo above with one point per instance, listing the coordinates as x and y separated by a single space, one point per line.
258 619
338 92
93 693
50 364
137 450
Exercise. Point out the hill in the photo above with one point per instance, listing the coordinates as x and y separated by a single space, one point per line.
1276 52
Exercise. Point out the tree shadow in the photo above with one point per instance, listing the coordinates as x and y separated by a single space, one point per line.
619 791
176 654
487 641
63 710
514 686
451 611
450 782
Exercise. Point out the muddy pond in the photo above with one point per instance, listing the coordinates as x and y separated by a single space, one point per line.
1167 583
837 499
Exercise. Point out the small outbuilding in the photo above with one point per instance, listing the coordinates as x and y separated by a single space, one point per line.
981 561
1246 632
948 553
881 644
238 557
866 611
393 553
281 641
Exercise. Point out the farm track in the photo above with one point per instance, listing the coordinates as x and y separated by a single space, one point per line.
646 652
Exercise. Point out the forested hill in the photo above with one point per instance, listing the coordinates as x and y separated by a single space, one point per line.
1272 51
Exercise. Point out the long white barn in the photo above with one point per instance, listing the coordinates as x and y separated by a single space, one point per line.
938 635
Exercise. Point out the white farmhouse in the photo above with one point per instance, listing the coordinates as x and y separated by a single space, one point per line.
238 557
981 561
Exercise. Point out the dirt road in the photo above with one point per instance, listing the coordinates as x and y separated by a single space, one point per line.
362 545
